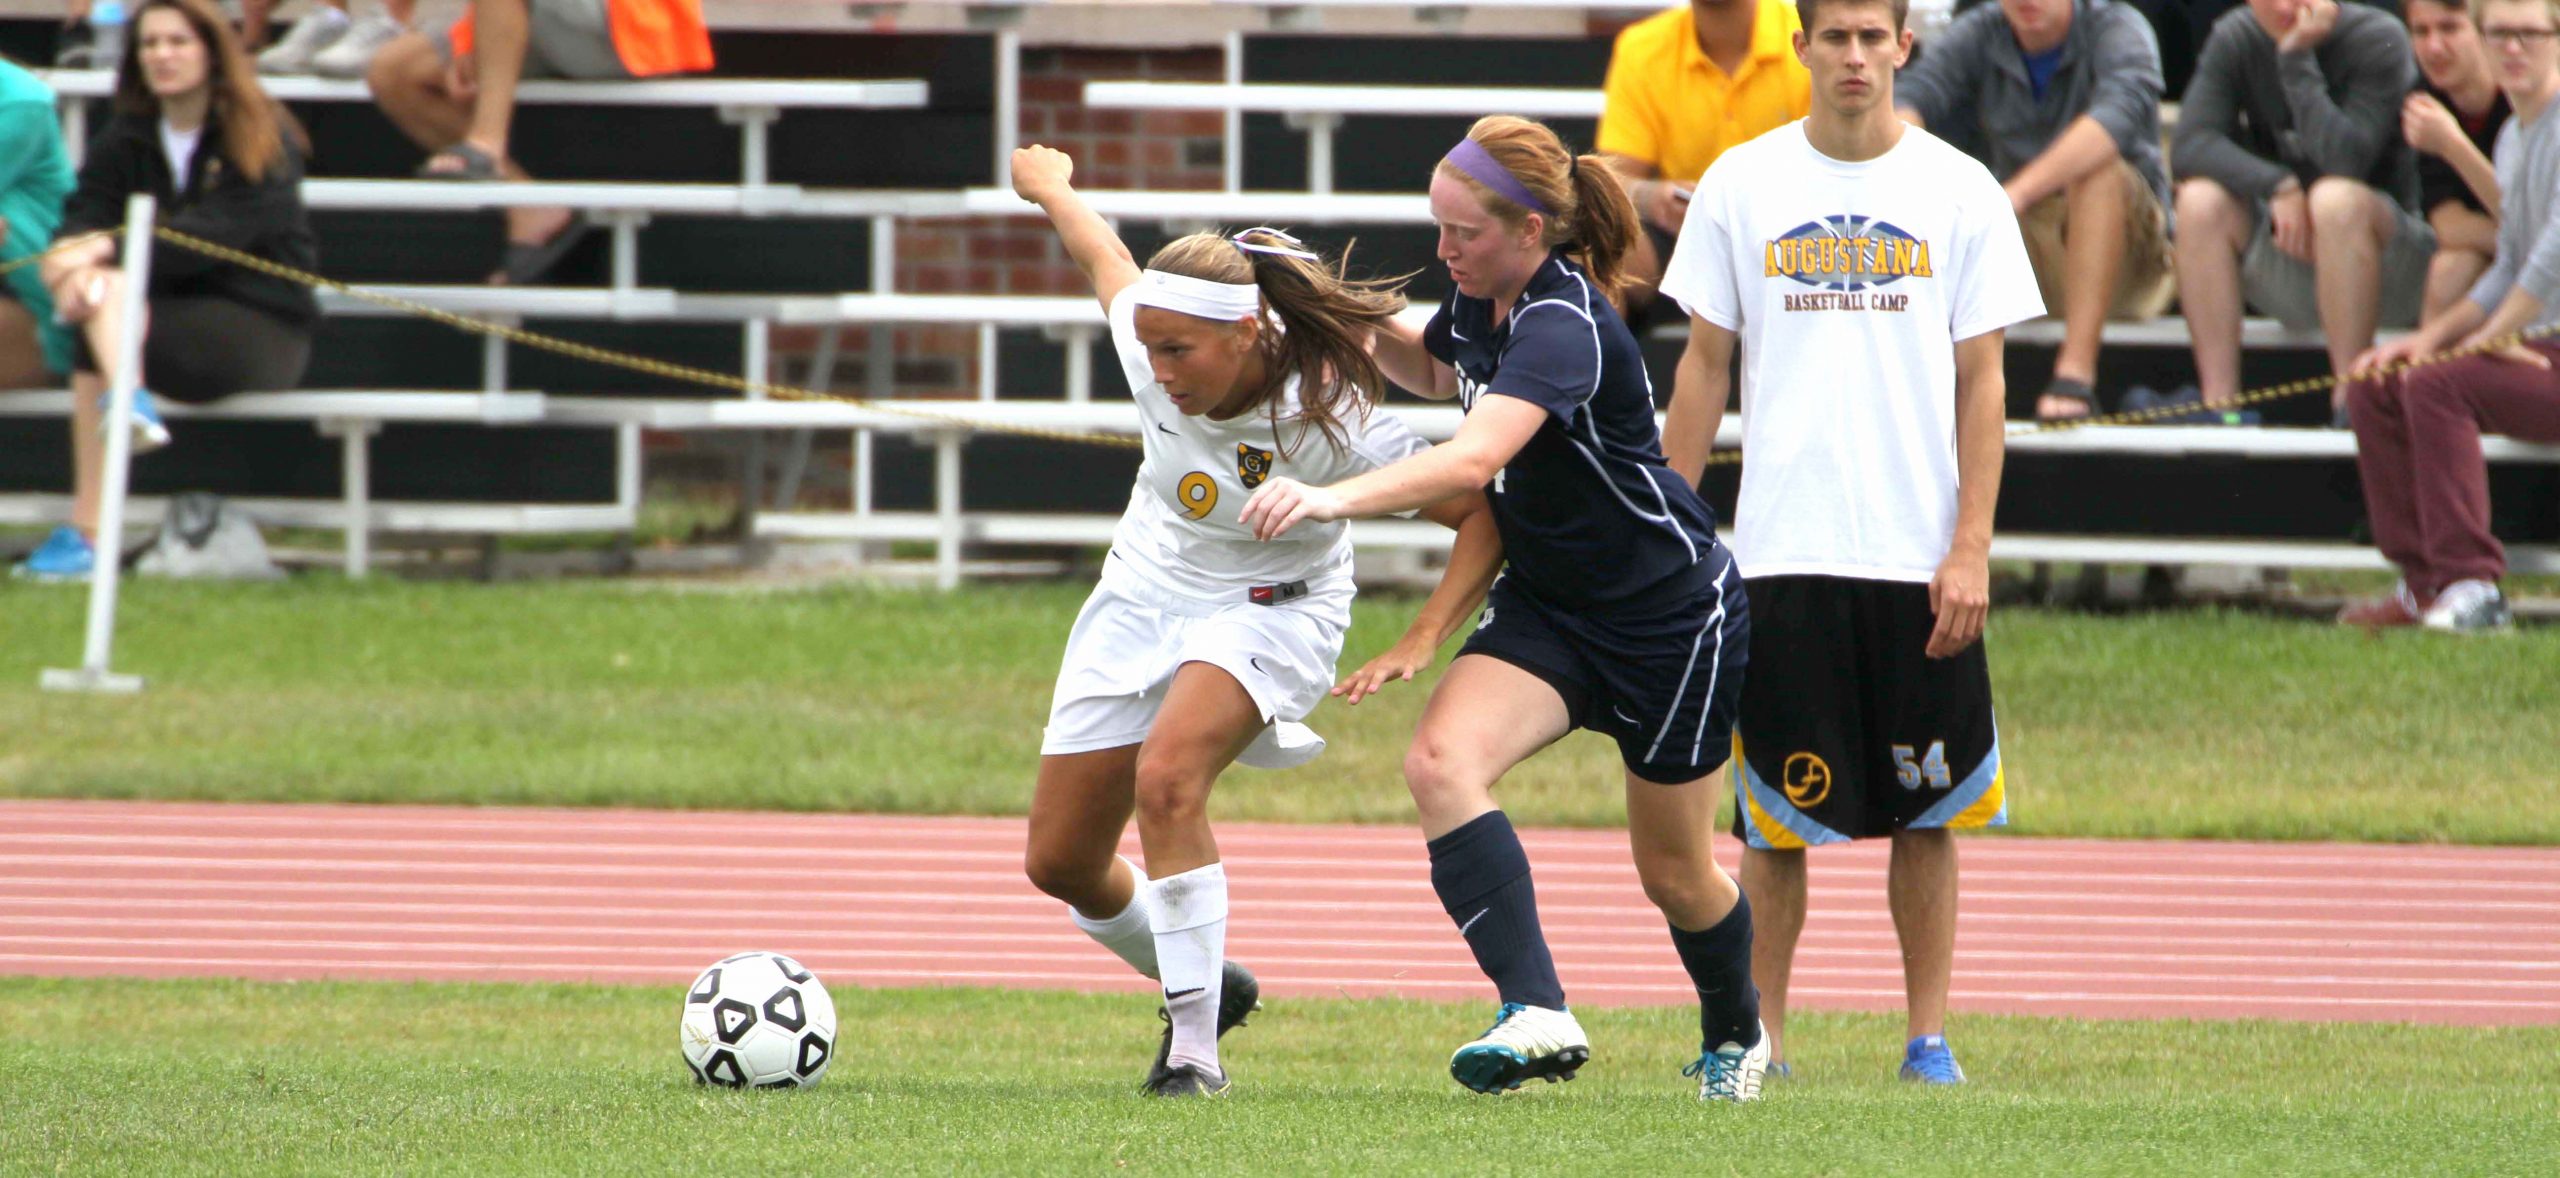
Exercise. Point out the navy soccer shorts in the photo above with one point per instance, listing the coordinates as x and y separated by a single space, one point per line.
1663 679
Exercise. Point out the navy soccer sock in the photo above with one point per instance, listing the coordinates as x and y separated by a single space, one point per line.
1718 959
1482 876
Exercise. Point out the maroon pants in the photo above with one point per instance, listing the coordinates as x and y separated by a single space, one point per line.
2418 443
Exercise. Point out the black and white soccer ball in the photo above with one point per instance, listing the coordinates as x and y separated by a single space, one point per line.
758 1020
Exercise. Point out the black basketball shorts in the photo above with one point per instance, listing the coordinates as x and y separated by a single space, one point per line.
1848 729
1663 679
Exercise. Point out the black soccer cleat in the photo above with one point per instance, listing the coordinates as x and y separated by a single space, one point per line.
1238 995
1188 1080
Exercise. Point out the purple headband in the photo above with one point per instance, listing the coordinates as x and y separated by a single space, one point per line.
1470 157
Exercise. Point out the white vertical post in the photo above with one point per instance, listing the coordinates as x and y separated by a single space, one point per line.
946 508
1319 126
355 474
986 361
755 129
1234 130
860 477
1008 102
758 347
104 580
626 225
626 469
862 474
884 254
1080 365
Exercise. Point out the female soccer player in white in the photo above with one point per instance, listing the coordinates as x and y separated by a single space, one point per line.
1204 644
1618 611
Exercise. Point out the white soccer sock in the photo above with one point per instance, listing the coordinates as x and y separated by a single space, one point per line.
1191 946
1132 933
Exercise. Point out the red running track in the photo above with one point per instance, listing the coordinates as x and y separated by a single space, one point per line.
2050 926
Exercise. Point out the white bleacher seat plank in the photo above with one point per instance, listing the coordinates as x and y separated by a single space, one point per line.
512 408
1309 98
751 103
353 417
1319 109
841 93
1280 208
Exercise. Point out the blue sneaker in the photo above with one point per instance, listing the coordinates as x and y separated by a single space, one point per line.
1731 1073
2198 413
149 431
1928 1061
1778 1072
64 556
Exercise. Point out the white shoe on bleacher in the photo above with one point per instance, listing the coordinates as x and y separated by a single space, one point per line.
352 54
313 33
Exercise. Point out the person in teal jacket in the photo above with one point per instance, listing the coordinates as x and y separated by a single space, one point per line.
35 177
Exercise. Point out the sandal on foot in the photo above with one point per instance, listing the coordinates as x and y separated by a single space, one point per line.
476 164
2069 390
526 263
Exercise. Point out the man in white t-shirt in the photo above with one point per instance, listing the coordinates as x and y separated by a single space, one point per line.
1868 270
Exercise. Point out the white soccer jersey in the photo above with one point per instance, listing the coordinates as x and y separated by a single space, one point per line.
1180 529
1849 284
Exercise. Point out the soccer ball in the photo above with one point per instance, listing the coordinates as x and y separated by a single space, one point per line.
758 1020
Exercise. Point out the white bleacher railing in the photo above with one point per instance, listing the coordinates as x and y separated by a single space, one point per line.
950 525
751 104
1319 109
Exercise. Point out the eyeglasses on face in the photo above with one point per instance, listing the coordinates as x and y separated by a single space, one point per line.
2521 38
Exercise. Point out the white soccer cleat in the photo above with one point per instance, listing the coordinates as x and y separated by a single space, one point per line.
1524 1043
1731 1073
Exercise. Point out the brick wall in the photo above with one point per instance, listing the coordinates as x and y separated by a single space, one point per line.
1113 149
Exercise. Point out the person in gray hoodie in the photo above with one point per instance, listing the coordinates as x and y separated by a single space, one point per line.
2295 187
2065 97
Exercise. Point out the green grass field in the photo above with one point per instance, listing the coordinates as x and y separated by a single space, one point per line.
218 1077
2214 724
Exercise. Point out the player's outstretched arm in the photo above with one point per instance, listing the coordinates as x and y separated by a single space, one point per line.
1495 431
1400 354
1700 387
1960 594
1041 175
1473 562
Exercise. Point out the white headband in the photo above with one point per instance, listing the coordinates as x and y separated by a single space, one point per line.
1197 296
1215 300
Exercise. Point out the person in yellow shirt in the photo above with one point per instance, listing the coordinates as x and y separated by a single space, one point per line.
1683 86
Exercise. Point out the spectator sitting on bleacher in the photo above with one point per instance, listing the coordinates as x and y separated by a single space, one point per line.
2295 189
327 41
1683 86
2426 486
192 128
2452 120
2065 94
456 95
35 176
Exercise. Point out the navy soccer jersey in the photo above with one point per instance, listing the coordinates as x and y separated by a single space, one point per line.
1589 513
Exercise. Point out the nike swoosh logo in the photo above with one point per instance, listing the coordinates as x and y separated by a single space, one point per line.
1170 995
1257 663
1471 921
1168 429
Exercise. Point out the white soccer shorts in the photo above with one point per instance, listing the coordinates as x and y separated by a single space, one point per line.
1130 638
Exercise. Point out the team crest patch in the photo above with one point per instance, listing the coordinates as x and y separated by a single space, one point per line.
1252 465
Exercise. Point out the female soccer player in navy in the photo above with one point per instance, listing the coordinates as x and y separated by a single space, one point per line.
1203 644
1617 611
